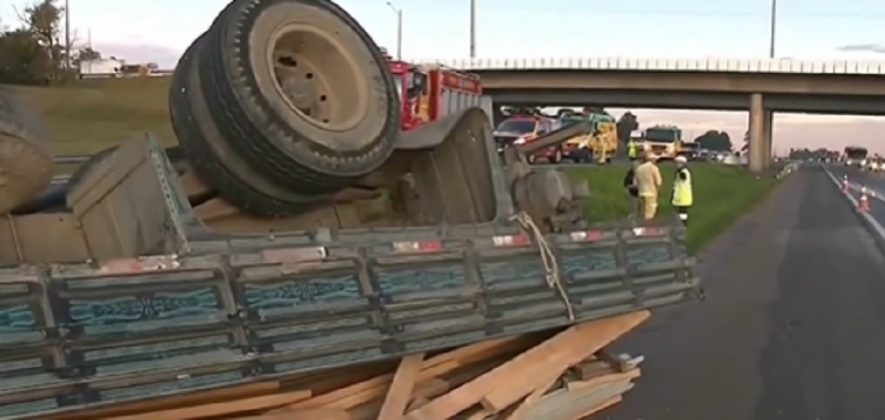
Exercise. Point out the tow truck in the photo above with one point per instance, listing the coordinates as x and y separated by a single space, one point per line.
600 144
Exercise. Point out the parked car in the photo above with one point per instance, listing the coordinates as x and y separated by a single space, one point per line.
523 129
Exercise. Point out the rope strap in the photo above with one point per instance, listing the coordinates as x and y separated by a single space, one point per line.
551 266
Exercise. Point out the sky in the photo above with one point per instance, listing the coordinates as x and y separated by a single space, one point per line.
159 30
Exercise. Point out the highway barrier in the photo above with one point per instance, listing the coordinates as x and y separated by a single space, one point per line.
788 169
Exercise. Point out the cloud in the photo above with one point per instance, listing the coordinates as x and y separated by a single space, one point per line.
876 48
165 57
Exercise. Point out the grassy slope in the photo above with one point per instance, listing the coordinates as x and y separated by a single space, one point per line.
721 195
89 115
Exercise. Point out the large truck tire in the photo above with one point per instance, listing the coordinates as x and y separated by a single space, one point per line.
300 91
26 164
214 160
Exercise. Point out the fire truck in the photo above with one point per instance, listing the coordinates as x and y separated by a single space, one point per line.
430 92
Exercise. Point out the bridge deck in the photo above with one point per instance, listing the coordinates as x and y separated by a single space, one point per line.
718 65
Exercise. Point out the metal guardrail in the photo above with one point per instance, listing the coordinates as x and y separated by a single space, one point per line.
60 179
731 65
71 159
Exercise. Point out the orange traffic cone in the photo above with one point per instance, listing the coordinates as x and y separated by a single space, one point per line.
863 205
845 183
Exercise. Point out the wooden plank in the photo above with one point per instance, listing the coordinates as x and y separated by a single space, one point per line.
365 391
483 350
533 398
312 414
417 402
479 413
566 404
264 402
591 368
174 401
516 374
431 388
366 411
604 379
594 410
587 339
401 387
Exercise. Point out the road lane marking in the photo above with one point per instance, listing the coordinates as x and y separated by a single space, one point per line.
873 223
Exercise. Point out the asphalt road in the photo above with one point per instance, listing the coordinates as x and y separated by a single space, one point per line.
875 183
793 326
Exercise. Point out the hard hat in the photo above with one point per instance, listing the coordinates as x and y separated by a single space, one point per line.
681 159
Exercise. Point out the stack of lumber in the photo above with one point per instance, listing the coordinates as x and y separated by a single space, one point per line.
557 375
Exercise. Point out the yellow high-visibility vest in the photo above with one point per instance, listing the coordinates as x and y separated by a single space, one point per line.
631 150
682 195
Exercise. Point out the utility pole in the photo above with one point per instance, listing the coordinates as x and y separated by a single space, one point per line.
399 30
773 27
67 36
472 28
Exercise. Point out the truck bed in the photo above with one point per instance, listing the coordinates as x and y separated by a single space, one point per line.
204 310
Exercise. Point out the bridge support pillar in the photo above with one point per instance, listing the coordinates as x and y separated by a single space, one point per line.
768 128
757 146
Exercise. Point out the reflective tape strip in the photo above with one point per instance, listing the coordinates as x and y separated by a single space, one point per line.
683 216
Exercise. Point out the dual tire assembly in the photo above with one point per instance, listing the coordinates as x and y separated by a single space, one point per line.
282 103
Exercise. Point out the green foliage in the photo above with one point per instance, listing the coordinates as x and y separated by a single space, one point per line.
626 124
33 53
22 59
717 141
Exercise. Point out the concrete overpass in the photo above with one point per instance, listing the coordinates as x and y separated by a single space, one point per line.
760 86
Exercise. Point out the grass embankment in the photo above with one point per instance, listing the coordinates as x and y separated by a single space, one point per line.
721 195
86 116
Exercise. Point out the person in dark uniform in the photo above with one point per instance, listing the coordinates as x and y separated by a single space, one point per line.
632 190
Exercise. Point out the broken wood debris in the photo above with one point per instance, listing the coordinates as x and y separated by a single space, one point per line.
568 375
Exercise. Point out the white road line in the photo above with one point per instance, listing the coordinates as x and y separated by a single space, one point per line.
877 227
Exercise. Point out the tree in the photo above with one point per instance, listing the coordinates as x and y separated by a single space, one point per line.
22 59
43 20
520 110
718 141
626 124
86 54
595 109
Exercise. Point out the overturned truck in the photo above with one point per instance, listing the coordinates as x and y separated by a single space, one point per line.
294 229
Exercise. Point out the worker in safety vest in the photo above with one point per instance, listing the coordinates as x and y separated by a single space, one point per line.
682 199
631 150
